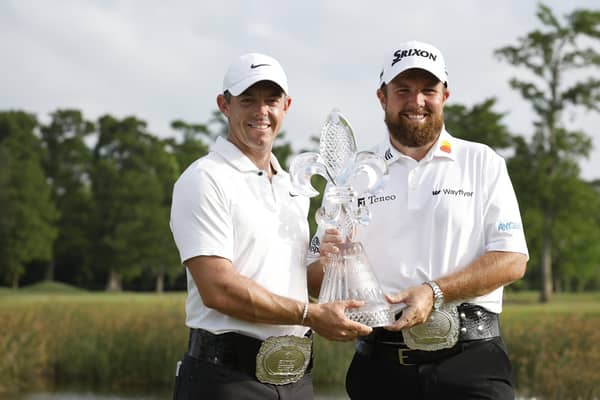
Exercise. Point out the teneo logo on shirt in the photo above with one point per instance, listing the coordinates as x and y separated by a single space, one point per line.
452 192
400 54
506 226
362 201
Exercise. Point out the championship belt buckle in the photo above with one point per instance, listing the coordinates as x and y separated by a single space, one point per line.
440 331
283 359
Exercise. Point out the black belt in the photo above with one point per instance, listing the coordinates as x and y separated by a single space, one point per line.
231 350
476 323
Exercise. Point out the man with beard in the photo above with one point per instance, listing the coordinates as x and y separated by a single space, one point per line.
445 238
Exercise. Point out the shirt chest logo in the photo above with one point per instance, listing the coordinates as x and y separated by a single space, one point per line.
315 245
373 199
452 192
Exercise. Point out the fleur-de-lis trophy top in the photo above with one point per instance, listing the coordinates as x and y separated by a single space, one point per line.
350 175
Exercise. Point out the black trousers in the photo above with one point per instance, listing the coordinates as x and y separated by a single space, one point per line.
482 370
199 379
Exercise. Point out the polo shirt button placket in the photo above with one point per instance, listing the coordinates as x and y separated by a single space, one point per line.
412 180
413 183
267 189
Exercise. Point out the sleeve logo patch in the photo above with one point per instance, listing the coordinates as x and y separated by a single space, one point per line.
509 226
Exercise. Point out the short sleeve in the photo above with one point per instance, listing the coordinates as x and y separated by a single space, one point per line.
503 225
200 217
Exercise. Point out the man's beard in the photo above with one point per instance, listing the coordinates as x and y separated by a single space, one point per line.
410 134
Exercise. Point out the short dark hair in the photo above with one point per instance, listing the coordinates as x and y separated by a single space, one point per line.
227 94
383 88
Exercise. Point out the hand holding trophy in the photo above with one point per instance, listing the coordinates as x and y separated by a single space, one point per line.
350 175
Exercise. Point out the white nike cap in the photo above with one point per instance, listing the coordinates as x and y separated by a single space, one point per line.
413 54
251 68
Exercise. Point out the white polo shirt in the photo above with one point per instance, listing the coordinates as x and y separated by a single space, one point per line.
437 215
223 205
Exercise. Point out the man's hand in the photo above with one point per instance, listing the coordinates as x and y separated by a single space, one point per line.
332 238
329 321
419 303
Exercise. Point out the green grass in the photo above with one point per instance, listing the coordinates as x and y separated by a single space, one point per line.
531 298
526 304
43 287
51 287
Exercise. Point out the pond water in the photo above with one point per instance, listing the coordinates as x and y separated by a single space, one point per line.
320 394
327 394
91 396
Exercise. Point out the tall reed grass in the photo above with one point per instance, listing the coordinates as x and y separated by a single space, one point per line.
128 340
555 356
105 340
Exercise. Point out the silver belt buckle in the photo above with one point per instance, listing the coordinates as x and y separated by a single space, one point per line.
283 359
440 331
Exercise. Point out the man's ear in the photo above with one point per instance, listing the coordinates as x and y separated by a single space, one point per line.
446 94
287 103
222 104
381 97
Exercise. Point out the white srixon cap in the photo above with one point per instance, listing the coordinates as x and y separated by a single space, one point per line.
413 54
250 68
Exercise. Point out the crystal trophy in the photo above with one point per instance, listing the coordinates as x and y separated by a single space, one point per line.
351 176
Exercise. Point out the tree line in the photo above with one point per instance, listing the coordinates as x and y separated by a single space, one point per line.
87 202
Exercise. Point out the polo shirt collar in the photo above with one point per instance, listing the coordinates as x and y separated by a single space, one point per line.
237 158
444 147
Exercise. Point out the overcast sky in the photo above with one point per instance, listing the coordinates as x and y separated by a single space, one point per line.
162 61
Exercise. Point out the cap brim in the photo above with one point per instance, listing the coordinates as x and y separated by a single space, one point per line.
244 84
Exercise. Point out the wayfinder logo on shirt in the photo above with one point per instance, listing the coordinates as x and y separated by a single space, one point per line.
452 192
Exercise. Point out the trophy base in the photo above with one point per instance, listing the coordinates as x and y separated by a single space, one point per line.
373 318
348 275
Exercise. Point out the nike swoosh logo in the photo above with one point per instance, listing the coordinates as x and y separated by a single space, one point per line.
293 195
258 65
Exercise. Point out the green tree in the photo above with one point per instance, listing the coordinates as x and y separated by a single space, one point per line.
552 54
217 124
192 145
577 251
67 164
319 183
282 149
6 213
161 256
575 256
132 181
480 124
28 216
